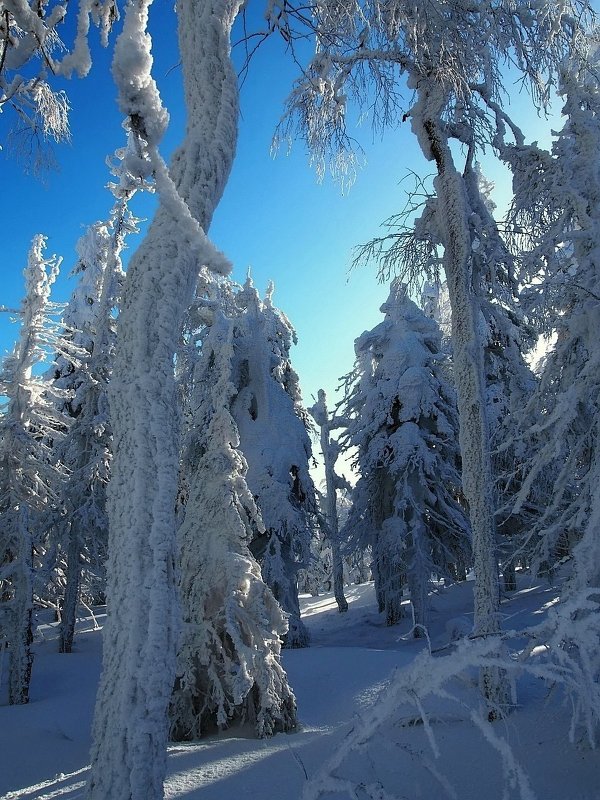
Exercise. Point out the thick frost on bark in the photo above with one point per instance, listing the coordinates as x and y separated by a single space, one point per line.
400 414
229 666
454 212
27 481
131 722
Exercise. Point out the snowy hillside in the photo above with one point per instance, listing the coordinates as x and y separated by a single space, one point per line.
338 680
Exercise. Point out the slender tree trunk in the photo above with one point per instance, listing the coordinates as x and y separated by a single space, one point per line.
68 609
21 658
469 376
510 576
140 639
417 576
337 566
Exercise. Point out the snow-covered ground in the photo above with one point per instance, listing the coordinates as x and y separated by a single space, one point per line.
44 745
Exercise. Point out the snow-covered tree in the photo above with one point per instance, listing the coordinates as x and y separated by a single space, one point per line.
509 380
140 638
317 576
505 337
451 55
28 481
86 450
274 439
229 666
330 451
401 416
557 200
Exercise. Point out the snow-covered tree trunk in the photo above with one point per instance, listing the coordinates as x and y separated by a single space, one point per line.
330 452
21 658
68 609
417 577
337 566
131 724
469 376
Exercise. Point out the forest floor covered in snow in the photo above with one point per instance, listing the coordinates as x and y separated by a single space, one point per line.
44 746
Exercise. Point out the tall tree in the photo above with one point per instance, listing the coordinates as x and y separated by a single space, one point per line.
229 666
451 56
401 416
131 721
330 451
82 379
509 380
556 201
274 440
28 482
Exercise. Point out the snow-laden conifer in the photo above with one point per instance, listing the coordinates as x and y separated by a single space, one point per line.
401 416
557 198
229 666
89 322
509 380
273 424
28 482
450 54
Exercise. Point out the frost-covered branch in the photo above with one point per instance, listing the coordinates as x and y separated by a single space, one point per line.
563 653
31 53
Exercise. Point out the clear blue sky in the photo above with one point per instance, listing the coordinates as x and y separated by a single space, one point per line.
274 218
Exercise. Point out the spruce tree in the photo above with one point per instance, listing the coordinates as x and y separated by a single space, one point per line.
229 666
273 427
29 483
401 416
82 378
